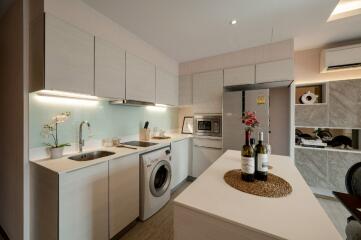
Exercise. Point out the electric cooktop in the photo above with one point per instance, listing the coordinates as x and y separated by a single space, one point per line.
139 143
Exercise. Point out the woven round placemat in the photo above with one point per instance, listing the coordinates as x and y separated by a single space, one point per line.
274 187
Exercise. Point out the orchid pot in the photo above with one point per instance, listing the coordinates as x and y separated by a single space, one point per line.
56 152
50 131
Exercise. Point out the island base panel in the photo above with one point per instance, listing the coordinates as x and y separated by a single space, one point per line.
190 224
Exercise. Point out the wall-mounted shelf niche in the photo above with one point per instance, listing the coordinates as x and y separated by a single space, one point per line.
319 89
337 139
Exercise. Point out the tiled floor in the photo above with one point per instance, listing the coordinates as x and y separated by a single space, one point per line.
160 226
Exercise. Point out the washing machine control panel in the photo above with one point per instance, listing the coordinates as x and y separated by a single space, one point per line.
165 155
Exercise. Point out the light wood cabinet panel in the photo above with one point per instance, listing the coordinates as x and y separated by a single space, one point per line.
83 204
274 71
167 88
109 70
208 92
140 79
185 90
181 159
69 57
240 75
123 192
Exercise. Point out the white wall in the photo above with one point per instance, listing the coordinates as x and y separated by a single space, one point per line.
83 16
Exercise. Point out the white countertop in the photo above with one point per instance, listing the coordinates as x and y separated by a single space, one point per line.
64 164
297 216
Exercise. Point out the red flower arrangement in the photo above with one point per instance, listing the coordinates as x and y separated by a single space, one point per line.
249 120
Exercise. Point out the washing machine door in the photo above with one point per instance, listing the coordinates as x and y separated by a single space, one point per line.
160 178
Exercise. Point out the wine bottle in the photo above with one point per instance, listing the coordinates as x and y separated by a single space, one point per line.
261 160
253 143
248 161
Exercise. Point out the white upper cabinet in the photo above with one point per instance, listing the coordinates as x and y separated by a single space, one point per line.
240 75
208 92
69 57
140 79
167 88
109 70
274 71
185 90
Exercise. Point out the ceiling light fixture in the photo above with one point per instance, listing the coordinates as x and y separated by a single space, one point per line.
233 22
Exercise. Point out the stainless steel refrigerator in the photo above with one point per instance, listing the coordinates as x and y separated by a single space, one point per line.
234 104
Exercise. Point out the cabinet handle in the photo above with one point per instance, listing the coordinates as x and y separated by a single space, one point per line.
208 147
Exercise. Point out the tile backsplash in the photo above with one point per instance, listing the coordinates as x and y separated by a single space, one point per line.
106 120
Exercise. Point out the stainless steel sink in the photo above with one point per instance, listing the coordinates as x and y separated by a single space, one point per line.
91 155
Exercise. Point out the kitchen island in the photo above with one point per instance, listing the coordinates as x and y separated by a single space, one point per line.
211 209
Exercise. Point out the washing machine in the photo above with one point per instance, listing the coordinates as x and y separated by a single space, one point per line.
155 178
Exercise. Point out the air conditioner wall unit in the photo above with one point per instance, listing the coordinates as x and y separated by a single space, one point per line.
341 58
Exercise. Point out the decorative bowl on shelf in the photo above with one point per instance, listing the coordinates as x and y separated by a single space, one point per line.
309 98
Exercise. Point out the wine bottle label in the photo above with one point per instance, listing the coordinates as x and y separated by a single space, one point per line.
262 162
247 165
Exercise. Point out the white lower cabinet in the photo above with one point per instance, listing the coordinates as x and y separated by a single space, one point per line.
181 160
205 153
123 192
83 203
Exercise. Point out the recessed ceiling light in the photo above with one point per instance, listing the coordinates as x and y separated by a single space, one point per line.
233 22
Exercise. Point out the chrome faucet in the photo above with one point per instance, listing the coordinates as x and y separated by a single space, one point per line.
81 140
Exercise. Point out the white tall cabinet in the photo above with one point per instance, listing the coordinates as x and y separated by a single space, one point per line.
109 70
208 92
181 161
123 192
185 90
140 83
166 88
69 57
83 204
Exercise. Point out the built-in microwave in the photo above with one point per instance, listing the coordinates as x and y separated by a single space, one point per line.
208 125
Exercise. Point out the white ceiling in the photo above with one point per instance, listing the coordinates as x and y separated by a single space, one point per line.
192 29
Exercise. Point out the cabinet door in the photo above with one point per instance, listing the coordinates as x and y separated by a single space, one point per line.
109 70
207 92
69 57
123 192
240 75
140 79
167 88
274 71
83 203
185 90
203 157
181 158
205 152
